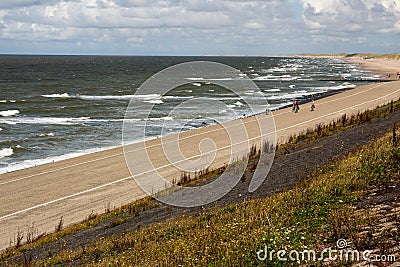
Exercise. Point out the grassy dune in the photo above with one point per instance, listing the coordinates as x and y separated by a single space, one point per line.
389 56
313 215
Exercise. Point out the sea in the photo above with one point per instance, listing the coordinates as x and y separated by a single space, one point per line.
58 107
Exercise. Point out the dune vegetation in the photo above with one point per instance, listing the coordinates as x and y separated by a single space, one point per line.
313 215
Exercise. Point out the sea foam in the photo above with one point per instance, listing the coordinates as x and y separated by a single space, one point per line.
9 113
6 152
44 120
105 97
65 95
36 162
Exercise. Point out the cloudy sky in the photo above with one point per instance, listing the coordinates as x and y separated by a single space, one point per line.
198 27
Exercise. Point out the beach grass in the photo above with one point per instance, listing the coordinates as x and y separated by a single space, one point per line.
341 124
30 239
394 56
387 56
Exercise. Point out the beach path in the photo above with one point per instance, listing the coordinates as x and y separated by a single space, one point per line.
36 198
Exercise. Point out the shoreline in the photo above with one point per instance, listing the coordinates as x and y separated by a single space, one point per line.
27 164
147 217
376 65
116 150
88 184
31 163
78 154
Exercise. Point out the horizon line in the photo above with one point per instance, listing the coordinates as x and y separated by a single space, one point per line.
175 55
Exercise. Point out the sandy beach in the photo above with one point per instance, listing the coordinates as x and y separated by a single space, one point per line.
377 65
38 197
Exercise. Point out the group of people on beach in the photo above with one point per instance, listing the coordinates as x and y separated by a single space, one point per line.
387 76
296 108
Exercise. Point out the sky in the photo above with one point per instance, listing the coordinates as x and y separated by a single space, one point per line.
199 27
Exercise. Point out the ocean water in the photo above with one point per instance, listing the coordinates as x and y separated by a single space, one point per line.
57 107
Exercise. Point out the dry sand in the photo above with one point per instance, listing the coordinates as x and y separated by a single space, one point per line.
80 186
377 65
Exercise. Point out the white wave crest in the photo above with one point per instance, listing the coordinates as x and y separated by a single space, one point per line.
45 120
177 97
294 95
342 86
9 113
7 122
46 135
104 97
36 162
156 101
6 152
212 79
276 78
195 79
11 101
65 95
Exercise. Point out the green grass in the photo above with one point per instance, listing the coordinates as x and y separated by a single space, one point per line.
116 217
313 215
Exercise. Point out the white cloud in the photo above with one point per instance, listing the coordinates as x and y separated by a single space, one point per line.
194 26
35 20
22 3
363 16
254 25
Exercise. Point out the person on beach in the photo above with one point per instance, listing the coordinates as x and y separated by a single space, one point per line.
295 107
267 109
312 105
